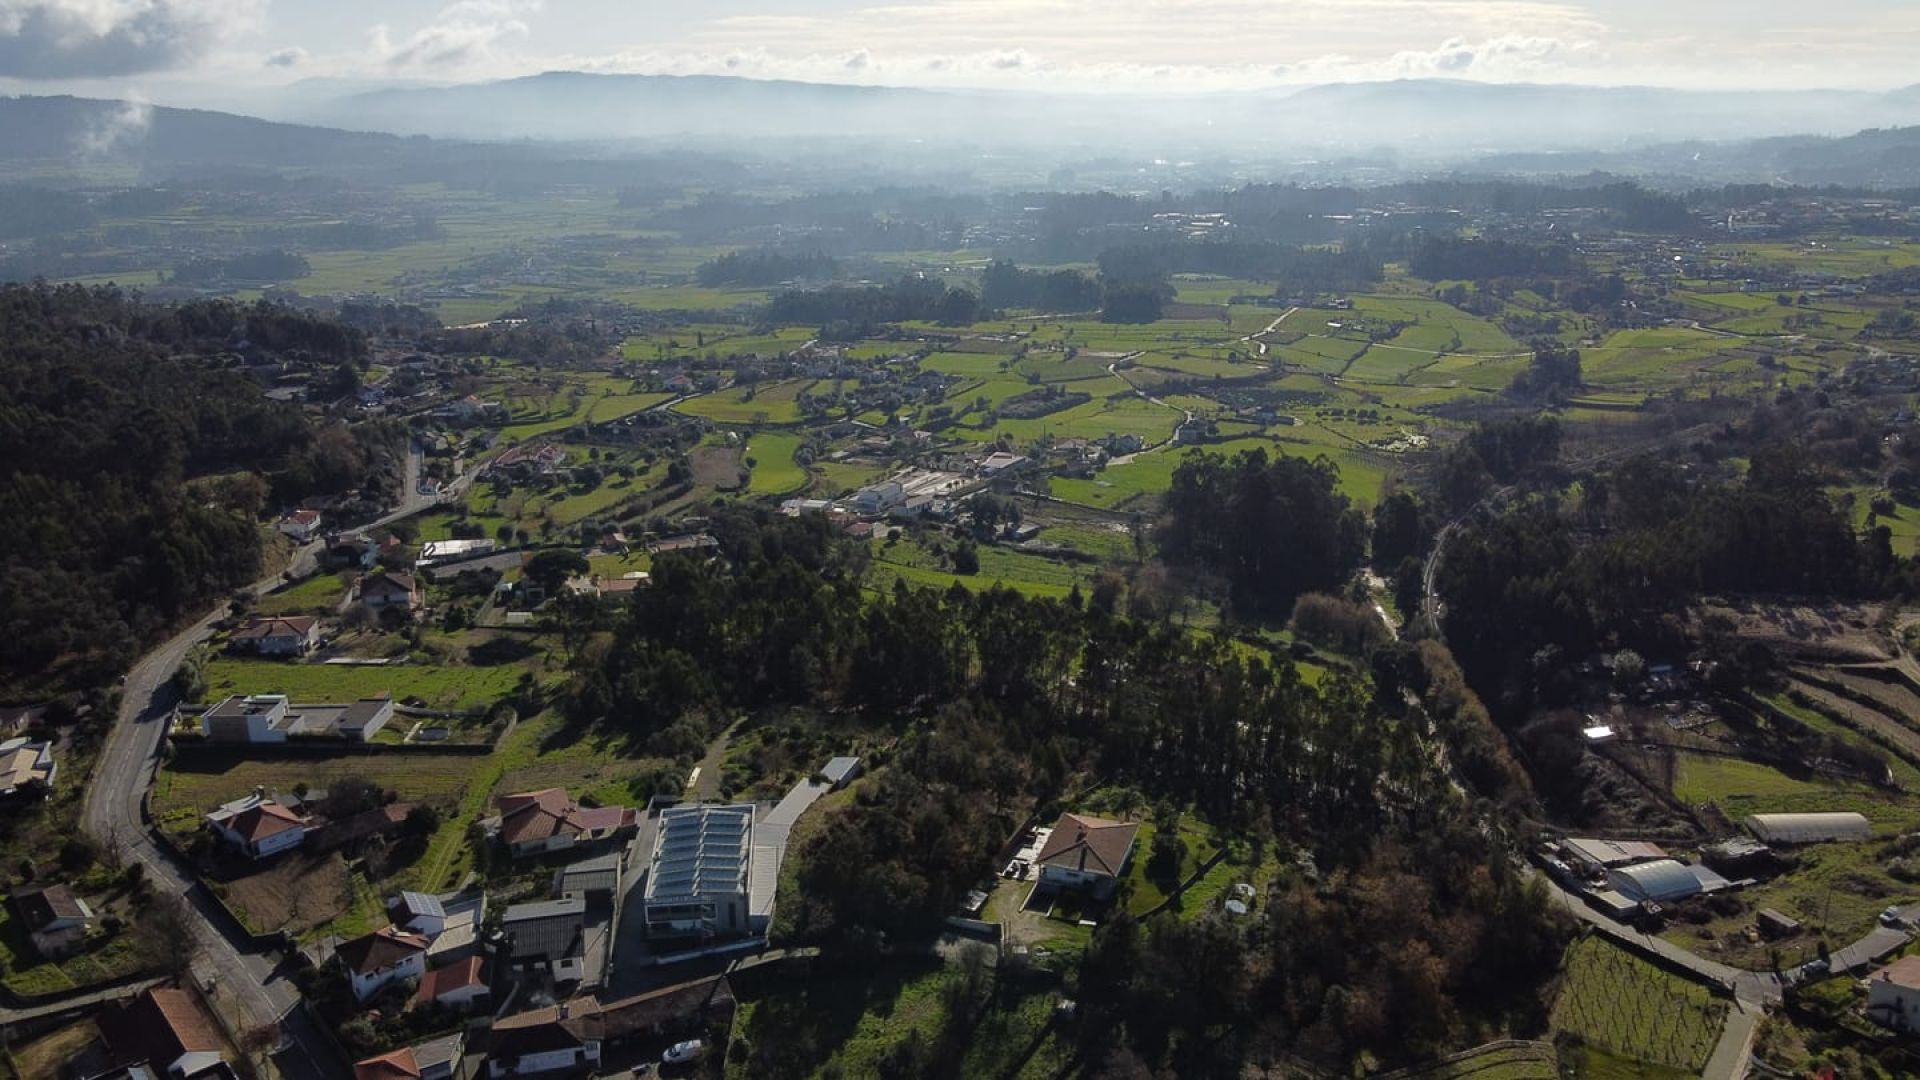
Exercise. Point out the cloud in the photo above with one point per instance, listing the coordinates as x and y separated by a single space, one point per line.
67 39
290 57
123 126
463 35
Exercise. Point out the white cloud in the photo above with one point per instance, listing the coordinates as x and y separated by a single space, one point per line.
67 39
464 36
291 57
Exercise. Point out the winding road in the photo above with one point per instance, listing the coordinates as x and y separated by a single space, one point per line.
248 984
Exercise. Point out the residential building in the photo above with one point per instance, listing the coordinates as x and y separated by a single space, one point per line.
390 590
597 880
302 525
272 718
1086 853
559 1039
384 956
278 635
165 1029
259 825
461 985
26 767
699 878
1893 995
348 552
435 1059
459 938
418 912
546 932
55 918
537 822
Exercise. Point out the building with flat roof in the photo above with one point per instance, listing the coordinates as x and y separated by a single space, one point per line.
1597 856
273 718
699 879
26 766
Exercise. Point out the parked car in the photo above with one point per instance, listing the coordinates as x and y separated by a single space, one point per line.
682 1052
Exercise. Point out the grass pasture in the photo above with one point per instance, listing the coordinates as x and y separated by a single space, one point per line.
761 403
775 472
440 687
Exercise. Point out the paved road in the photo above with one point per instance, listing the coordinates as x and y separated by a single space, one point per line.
1757 988
1734 1052
246 982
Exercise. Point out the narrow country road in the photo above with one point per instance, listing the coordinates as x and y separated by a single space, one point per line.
247 983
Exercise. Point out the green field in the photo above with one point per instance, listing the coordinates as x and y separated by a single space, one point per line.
765 403
318 595
775 472
1623 1004
440 687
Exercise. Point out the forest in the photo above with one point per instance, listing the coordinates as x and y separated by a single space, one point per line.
140 461
1418 931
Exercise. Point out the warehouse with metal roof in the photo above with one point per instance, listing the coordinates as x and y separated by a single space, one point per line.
1663 881
1810 828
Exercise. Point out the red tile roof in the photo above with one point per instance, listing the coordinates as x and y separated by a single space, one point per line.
256 823
281 626
1092 844
1904 973
381 949
537 815
440 982
161 1026
399 1065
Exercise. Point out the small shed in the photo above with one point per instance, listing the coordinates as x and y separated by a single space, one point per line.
1772 924
841 771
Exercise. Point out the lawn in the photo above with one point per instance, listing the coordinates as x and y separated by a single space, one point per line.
1143 893
841 1023
1622 1004
1034 575
1741 788
190 785
775 472
439 687
318 595
761 403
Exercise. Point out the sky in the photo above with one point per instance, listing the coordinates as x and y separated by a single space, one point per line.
137 47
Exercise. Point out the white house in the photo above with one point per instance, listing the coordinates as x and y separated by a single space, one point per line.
422 913
699 880
460 985
255 718
1893 994
26 766
559 1038
271 718
376 959
1086 853
259 826
302 525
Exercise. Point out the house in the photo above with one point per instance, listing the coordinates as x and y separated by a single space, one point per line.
1893 995
271 718
390 590
700 878
597 879
259 825
546 932
345 552
302 525
164 1029
376 959
559 1039
26 767
418 912
537 822
461 985
282 635
55 919
435 1059
1087 853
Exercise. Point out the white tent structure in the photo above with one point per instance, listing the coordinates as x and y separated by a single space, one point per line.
1810 828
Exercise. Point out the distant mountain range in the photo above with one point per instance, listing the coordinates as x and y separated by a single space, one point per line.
1428 118
1439 125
